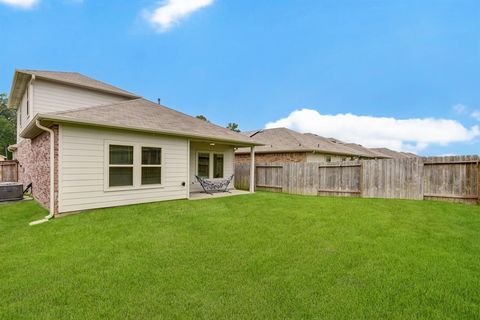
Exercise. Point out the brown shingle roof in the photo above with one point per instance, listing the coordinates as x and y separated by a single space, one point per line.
285 140
393 154
144 115
78 79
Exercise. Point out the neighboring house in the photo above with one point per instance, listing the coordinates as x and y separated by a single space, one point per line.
371 153
110 147
388 153
2 158
285 145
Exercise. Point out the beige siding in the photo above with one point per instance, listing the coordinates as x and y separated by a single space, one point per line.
54 97
82 169
22 117
319 157
229 157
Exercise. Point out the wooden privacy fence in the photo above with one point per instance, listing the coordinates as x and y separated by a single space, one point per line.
9 171
453 178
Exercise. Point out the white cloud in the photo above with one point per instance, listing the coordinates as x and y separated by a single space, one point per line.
24 4
460 108
476 114
170 12
399 134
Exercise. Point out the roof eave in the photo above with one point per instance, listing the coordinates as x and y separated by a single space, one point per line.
32 131
12 103
302 151
14 81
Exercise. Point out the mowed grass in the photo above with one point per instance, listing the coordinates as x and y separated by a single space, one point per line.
262 256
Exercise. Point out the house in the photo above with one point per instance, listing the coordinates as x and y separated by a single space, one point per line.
393 154
2 158
368 151
285 145
85 144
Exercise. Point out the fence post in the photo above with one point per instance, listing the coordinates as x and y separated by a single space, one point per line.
360 183
478 182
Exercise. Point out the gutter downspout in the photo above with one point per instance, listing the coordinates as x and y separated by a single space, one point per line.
52 174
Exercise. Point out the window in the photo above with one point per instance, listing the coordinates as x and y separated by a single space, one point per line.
151 165
210 165
218 165
120 166
28 101
328 158
132 166
203 162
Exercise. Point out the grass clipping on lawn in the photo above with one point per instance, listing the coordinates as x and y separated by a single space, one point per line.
264 256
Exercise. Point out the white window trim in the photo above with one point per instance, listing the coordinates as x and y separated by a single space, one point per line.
210 163
137 166
150 165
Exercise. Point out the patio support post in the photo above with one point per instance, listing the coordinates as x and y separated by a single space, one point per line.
252 169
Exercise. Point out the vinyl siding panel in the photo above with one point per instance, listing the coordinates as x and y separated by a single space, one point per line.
24 117
319 157
55 97
82 169
229 163
21 116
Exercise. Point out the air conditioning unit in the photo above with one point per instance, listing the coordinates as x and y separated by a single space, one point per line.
11 191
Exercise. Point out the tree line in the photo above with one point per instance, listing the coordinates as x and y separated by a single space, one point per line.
231 125
8 126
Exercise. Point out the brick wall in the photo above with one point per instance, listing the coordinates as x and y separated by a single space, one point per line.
34 166
272 157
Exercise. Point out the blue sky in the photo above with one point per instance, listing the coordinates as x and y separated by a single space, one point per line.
398 67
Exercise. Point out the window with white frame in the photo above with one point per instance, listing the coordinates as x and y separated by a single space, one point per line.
120 172
151 165
203 165
217 165
210 165
133 165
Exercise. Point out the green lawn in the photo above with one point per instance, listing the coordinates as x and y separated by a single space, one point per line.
262 256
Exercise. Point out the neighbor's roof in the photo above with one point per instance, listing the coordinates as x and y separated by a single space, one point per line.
369 151
360 148
393 154
143 115
22 77
279 140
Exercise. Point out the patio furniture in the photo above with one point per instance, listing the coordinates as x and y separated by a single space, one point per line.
217 185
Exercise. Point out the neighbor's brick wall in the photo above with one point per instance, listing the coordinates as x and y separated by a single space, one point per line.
34 166
272 157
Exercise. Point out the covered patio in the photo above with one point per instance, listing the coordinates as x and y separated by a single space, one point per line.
215 162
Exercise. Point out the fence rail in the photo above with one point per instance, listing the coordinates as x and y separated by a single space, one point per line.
453 178
9 171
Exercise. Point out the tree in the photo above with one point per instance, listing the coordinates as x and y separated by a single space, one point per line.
233 126
202 117
8 124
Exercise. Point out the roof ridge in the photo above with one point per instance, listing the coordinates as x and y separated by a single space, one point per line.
295 134
291 133
51 71
94 107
